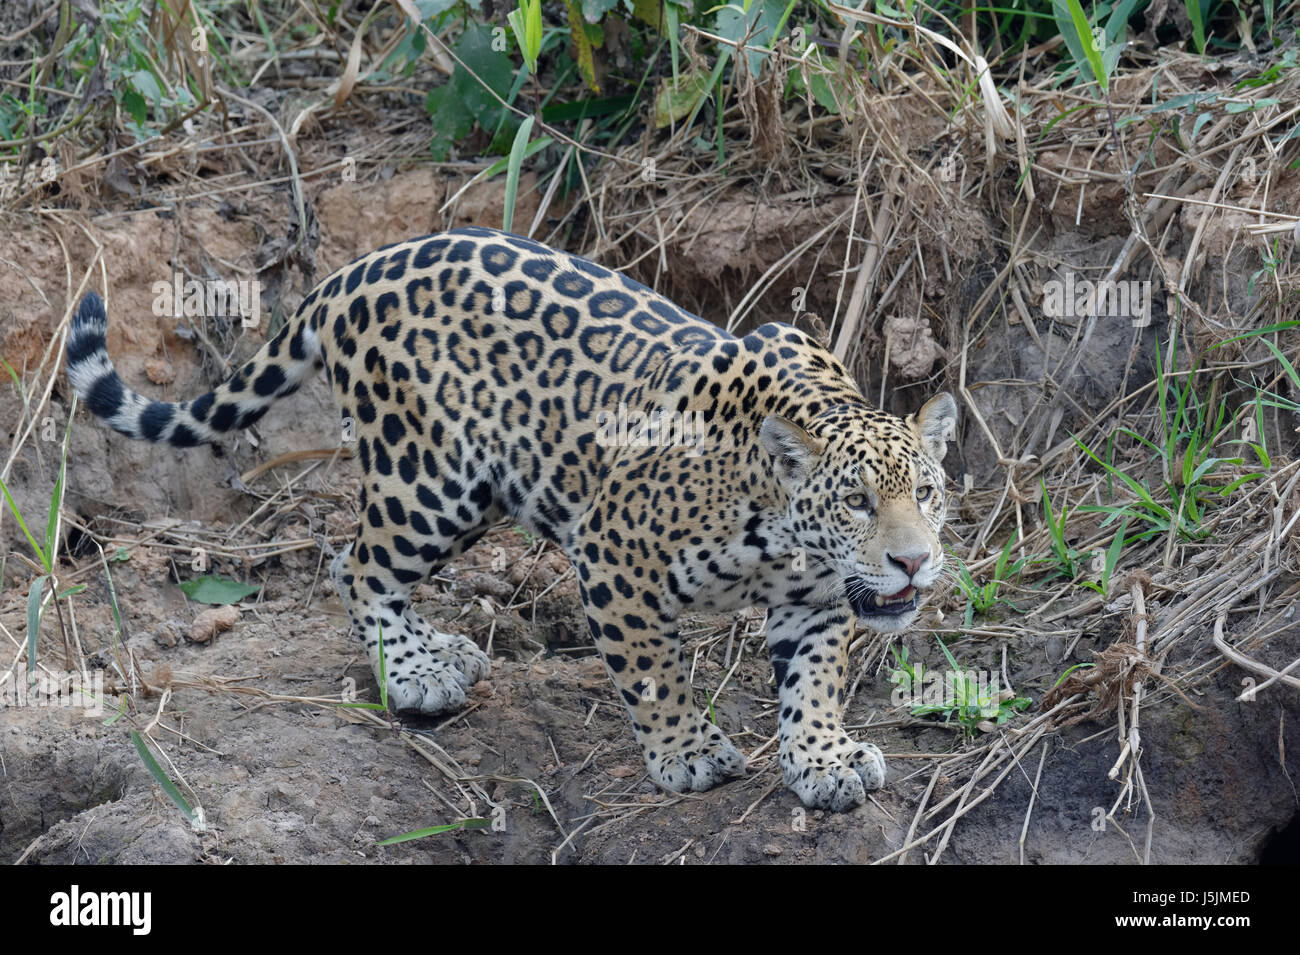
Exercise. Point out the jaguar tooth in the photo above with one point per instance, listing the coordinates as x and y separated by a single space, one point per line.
880 601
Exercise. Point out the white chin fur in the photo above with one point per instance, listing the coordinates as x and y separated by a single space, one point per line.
888 624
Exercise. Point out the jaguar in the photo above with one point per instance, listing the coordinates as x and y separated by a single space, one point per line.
476 372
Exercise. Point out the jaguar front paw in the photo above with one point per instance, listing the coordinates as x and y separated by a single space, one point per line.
461 652
695 762
838 782
425 685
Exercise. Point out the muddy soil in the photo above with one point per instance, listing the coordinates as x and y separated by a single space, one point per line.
544 749
284 781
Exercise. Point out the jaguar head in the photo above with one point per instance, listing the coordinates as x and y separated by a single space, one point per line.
867 503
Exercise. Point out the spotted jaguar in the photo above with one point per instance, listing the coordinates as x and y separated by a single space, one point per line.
478 372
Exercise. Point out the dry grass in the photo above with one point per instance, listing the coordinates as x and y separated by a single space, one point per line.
873 212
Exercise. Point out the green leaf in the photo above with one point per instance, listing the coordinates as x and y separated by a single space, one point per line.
1201 120
470 823
512 172
757 25
431 8
451 121
492 67
10 368
161 777
677 98
212 589
1267 330
134 104
121 711
825 81
526 22
1250 107
648 11
1112 557
587 108
1077 666
56 503
593 10
34 620
13 509
383 670
956 667
112 591
582 47
1193 8
1185 101
498 167
1080 38
1227 489
147 85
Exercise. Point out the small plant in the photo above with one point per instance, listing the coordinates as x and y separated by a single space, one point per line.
1268 399
1068 561
526 22
1271 260
46 556
1108 564
1193 478
978 705
981 598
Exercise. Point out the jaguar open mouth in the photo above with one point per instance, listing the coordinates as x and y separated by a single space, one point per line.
866 603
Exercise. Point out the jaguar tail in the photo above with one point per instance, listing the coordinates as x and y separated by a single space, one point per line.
278 369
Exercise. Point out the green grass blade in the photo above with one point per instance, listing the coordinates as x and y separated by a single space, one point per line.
1083 32
161 777
517 151
1143 495
1077 666
1244 479
502 164
1112 557
470 823
112 594
56 504
672 28
1001 564
1282 360
956 668
383 670
22 524
12 374
1193 8
34 620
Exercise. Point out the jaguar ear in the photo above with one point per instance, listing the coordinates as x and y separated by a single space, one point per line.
794 451
935 424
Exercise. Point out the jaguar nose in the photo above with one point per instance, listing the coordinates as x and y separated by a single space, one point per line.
910 563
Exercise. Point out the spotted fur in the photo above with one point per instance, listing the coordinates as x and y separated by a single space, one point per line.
476 366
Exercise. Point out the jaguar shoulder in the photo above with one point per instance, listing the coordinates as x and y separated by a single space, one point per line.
483 371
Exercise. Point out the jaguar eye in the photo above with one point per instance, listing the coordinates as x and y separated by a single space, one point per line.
924 493
858 502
